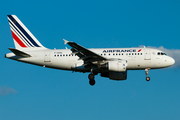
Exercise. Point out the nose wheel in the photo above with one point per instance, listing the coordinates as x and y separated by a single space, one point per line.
147 73
147 78
91 79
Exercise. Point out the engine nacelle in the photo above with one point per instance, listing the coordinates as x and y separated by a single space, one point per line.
116 66
115 75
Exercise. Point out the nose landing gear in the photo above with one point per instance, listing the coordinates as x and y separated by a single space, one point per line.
147 77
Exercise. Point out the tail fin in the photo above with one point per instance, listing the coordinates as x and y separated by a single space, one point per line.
23 38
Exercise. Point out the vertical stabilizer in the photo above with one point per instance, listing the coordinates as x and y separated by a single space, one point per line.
23 38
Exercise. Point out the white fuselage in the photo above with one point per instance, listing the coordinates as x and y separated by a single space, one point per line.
137 58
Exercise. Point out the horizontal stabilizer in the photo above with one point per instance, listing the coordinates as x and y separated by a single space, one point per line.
19 53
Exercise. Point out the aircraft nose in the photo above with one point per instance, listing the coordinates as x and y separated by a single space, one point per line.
171 61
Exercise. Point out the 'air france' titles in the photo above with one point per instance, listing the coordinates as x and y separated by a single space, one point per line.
110 51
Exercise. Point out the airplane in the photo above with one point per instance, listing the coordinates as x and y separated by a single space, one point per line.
112 63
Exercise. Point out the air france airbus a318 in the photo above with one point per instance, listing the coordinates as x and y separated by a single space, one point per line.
112 63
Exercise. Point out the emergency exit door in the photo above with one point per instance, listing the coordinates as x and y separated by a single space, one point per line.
47 56
147 55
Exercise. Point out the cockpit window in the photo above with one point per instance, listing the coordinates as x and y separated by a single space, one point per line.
164 54
161 53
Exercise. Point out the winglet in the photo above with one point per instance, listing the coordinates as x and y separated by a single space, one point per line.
65 41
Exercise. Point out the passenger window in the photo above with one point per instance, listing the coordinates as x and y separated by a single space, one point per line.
109 54
132 54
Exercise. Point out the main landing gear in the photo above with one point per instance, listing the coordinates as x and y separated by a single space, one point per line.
91 79
147 77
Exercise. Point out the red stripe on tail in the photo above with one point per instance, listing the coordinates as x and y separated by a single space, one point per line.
18 40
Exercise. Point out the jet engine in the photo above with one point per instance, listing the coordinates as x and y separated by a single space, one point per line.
115 66
115 75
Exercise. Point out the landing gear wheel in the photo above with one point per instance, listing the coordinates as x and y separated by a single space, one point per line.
147 73
147 78
91 76
92 82
91 79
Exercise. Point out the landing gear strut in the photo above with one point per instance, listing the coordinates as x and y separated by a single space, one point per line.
91 79
147 77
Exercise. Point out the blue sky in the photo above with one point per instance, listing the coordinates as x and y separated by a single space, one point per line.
30 92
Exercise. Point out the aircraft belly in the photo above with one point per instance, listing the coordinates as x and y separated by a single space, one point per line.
140 63
30 60
131 64
63 63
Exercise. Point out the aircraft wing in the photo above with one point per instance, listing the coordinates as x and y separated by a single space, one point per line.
83 53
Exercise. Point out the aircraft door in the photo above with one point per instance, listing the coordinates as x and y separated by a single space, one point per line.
47 56
147 54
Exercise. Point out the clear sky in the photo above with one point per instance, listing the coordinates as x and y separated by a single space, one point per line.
29 92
